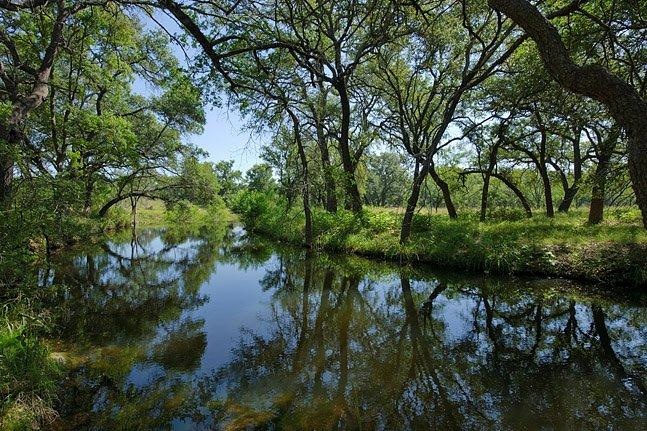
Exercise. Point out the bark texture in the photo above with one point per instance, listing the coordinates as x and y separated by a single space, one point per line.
12 132
622 100
353 198
418 178
444 188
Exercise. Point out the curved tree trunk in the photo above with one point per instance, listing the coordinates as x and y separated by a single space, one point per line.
623 101
444 188
569 196
522 198
12 133
505 180
114 201
418 179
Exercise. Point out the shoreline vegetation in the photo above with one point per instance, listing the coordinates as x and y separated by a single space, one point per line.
612 254
34 363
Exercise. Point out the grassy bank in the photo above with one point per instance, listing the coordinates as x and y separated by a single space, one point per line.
28 372
614 252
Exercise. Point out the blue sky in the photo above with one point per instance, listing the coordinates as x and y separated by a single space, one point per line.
225 138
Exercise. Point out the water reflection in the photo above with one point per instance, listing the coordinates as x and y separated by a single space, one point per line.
230 332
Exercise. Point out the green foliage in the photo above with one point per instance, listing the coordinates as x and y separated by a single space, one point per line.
259 178
28 374
257 209
197 183
561 246
387 179
230 179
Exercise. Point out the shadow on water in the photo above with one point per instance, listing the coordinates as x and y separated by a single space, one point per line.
225 331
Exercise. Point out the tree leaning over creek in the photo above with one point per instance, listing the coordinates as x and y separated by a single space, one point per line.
623 101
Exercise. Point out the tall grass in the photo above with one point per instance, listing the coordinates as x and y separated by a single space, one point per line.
614 252
28 373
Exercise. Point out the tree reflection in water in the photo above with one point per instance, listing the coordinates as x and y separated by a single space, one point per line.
345 344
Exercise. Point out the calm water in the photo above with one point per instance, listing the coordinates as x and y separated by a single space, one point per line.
231 332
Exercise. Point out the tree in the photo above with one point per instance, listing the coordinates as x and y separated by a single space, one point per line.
26 77
328 42
259 178
427 79
624 102
96 142
230 179
387 177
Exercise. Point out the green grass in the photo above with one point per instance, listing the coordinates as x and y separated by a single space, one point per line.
614 252
154 213
28 372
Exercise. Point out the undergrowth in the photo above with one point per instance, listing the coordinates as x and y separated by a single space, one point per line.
28 372
563 246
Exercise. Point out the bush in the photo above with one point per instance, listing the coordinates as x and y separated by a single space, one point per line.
511 243
259 210
507 214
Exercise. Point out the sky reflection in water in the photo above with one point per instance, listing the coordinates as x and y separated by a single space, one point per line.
232 332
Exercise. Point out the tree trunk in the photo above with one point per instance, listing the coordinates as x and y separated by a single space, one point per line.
305 189
492 159
571 192
418 179
353 199
638 170
6 173
444 188
518 193
114 201
548 191
12 135
87 197
133 210
569 196
329 180
623 101
484 194
596 210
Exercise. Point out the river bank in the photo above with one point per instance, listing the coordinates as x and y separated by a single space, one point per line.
613 254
